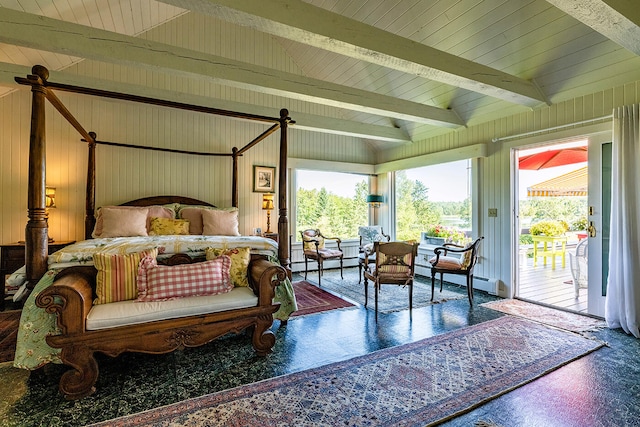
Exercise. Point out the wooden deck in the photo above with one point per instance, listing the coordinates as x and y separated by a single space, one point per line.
548 286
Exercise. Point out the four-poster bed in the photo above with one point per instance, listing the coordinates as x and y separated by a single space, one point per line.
69 282
36 229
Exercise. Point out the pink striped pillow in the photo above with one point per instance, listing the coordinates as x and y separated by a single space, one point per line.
161 282
116 279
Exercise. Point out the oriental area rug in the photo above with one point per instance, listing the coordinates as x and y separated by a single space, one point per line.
557 318
311 299
391 298
416 384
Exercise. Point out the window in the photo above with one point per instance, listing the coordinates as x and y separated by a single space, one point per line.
334 202
433 195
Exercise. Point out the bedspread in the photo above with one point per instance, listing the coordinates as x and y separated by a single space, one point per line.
32 350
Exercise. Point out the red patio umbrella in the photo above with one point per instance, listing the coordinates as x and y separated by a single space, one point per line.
551 158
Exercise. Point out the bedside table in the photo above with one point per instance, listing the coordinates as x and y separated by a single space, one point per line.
272 236
12 258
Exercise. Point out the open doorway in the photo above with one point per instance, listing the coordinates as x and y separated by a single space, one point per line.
552 213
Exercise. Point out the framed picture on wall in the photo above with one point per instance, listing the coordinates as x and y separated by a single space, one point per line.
264 179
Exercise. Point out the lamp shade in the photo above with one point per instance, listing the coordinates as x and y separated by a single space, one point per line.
267 202
50 197
375 199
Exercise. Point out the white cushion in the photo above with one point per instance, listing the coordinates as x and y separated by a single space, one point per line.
123 313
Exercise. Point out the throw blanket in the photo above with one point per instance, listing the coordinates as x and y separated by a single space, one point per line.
32 350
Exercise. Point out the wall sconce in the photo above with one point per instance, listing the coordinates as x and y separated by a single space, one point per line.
50 197
375 200
267 205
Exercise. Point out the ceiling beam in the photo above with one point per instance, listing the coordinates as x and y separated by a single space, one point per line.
39 32
307 122
314 26
618 20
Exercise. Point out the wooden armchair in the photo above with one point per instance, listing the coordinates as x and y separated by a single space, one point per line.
313 248
369 235
395 265
455 259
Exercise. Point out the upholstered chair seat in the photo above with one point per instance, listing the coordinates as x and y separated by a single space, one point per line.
313 247
455 259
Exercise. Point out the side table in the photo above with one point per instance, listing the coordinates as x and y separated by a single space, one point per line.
12 257
272 236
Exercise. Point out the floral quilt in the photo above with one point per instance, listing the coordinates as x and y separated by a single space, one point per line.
32 350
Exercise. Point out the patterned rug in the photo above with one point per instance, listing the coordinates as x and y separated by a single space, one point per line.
549 316
311 299
392 297
421 383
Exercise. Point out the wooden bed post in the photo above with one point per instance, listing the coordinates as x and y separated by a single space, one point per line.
283 221
36 232
234 186
90 200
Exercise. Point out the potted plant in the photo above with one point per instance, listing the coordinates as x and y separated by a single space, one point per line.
439 234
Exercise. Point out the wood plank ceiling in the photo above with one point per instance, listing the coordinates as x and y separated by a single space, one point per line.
392 71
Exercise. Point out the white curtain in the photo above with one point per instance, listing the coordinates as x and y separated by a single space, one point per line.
623 293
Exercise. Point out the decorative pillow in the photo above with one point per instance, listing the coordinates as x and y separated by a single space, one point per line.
240 258
168 226
448 262
311 245
194 215
220 222
371 234
465 259
124 223
161 282
116 279
152 211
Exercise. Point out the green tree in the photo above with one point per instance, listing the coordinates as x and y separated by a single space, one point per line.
335 216
413 209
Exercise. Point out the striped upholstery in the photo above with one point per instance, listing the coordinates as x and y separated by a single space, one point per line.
116 279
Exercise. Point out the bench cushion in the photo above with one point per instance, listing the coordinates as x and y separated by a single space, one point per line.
125 313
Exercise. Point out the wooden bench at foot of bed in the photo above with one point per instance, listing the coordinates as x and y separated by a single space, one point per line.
71 298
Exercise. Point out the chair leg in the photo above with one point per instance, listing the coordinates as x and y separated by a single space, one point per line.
470 288
441 281
366 291
341 262
433 284
306 267
377 286
319 271
359 272
410 295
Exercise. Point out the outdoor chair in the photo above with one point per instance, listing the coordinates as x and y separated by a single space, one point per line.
579 266
313 248
369 235
394 265
455 259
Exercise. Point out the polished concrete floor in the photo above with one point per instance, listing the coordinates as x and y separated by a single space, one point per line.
600 389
